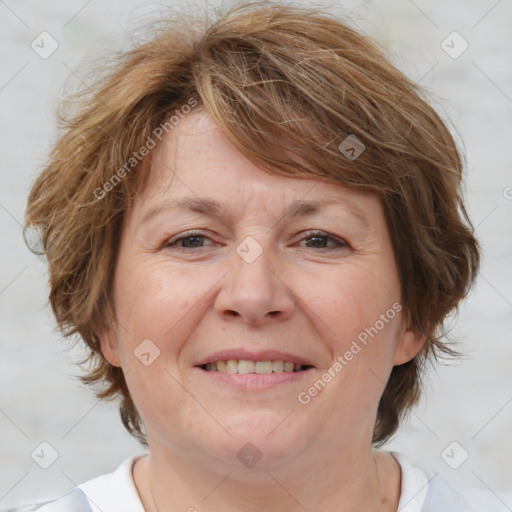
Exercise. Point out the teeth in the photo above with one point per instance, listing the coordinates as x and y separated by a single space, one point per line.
231 366
246 366
263 367
277 366
288 366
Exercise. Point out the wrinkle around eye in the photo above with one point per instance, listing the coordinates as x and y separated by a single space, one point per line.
337 243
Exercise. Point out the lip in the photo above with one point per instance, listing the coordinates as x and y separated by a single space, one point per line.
254 380
260 355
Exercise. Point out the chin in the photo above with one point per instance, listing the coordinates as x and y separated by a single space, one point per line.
273 437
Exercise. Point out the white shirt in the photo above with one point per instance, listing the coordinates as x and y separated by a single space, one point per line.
116 492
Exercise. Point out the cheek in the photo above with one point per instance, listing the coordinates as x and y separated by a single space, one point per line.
155 305
351 300
358 307
152 299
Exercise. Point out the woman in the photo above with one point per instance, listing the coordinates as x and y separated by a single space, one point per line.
257 229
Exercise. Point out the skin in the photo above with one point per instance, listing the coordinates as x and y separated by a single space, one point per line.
296 296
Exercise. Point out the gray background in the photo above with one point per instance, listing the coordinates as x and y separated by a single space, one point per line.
469 401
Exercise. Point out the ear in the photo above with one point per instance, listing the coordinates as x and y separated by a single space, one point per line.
408 346
110 348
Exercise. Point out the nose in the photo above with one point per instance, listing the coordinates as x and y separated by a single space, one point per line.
255 291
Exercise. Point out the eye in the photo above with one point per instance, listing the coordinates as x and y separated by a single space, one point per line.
314 240
319 239
190 241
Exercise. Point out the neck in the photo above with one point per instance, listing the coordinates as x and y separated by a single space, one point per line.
354 481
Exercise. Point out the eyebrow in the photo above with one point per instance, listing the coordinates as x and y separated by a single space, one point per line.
211 207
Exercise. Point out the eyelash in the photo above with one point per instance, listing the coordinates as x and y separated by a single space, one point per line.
313 234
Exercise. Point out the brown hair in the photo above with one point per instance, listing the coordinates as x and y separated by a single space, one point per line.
264 73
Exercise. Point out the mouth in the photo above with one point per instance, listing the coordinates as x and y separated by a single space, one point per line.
254 370
247 366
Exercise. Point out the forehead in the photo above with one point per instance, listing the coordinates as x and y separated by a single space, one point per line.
196 161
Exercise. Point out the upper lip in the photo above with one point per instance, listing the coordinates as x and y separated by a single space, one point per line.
260 355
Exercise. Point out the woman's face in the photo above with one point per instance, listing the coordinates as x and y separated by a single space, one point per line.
221 261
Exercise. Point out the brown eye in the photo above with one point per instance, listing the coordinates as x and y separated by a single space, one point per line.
188 241
319 240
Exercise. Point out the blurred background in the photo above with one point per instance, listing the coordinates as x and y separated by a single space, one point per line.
461 53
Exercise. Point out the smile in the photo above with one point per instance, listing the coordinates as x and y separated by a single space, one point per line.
245 366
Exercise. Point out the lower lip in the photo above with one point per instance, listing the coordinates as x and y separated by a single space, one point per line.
256 380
